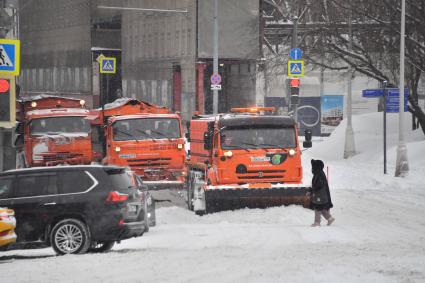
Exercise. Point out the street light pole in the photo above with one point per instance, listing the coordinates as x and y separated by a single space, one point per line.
349 149
402 165
215 55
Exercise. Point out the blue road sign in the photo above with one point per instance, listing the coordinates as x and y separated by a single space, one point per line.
9 57
215 79
393 100
295 53
295 68
373 92
108 65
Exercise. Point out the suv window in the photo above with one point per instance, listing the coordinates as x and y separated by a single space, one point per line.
120 179
74 182
36 185
5 186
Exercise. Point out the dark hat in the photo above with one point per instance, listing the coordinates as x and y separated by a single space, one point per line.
317 164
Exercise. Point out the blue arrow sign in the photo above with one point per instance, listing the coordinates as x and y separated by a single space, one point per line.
296 53
373 92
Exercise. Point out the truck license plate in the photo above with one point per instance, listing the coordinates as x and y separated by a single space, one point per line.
260 158
127 155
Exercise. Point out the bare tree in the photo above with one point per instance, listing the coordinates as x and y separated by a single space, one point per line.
376 37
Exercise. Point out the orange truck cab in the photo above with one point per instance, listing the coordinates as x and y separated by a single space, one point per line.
244 159
152 145
53 130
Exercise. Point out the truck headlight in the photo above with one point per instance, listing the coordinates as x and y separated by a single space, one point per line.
179 146
117 149
292 152
33 104
228 153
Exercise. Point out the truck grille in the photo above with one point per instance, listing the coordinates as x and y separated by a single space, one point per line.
149 162
57 156
260 175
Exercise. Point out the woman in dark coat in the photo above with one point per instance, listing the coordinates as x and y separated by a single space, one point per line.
320 196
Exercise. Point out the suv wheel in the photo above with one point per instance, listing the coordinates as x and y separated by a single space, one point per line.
146 217
100 247
70 236
152 217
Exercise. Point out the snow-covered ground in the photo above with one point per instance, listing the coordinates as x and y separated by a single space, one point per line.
378 235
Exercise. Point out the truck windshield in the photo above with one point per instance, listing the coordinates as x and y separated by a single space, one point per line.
251 138
59 125
146 128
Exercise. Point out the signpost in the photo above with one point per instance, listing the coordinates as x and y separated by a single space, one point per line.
392 102
296 68
10 57
295 53
107 65
370 93
215 81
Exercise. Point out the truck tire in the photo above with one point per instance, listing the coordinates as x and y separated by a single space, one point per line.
70 236
190 194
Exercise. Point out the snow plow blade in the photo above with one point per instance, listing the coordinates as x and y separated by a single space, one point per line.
221 198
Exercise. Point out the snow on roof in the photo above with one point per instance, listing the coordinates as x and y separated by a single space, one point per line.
43 96
125 100
145 115
59 112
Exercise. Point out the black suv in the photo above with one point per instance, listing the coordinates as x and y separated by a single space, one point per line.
74 209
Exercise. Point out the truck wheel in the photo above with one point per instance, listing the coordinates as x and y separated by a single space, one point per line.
70 236
101 247
190 195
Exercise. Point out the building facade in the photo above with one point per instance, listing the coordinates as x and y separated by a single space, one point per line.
163 57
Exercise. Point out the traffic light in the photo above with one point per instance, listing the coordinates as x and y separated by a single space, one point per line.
7 101
294 86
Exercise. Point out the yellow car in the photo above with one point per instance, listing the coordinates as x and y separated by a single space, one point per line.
7 226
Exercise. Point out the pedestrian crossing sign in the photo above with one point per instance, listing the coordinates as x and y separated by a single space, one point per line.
296 68
10 57
108 65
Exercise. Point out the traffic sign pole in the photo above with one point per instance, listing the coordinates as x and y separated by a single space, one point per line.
215 56
385 128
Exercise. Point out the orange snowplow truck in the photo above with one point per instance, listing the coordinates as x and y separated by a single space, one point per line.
52 130
147 139
244 159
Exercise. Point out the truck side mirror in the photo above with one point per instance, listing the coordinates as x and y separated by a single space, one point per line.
307 142
207 141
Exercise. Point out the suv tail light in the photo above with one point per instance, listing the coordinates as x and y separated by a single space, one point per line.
116 197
